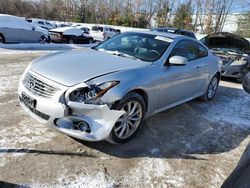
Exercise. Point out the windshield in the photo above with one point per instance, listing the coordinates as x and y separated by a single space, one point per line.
141 46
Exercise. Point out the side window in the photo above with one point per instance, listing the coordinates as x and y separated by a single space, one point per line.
40 22
202 52
185 49
189 49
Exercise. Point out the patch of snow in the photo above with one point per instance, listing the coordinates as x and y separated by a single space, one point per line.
151 172
26 135
230 109
99 180
10 21
69 31
7 84
216 178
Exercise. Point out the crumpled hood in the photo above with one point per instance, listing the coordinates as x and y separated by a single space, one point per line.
226 40
76 66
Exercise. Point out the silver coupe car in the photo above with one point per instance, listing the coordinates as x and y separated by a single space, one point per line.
106 92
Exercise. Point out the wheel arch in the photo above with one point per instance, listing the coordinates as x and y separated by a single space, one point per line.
218 74
139 91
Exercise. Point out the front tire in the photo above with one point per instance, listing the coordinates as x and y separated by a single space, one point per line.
211 90
242 75
128 124
91 41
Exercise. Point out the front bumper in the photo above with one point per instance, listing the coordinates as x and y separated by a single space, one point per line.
54 113
99 118
231 71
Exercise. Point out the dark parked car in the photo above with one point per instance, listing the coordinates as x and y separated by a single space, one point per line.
72 35
246 83
175 31
234 52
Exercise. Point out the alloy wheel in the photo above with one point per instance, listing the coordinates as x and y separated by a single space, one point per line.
42 40
128 123
212 87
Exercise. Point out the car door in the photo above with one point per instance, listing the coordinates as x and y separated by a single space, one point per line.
10 30
28 33
180 83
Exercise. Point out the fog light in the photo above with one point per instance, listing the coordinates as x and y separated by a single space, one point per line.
83 126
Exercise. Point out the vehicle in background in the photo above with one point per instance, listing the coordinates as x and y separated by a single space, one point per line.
118 31
62 25
175 31
100 33
106 92
234 52
70 35
246 83
14 29
41 23
84 29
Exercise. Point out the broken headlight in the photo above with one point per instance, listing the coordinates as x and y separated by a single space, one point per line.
91 94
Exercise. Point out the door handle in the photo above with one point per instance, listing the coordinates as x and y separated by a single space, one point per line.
197 67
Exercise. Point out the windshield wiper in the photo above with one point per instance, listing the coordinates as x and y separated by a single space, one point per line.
123 55
117 53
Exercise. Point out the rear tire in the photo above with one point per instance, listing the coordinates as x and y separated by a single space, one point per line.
242 75
71 41
2 39
128 124
211 89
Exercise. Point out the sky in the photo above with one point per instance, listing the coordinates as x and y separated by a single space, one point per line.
237 6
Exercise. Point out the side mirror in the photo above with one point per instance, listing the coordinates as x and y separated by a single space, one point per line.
177 60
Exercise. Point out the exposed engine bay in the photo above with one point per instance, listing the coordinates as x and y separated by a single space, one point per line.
234 53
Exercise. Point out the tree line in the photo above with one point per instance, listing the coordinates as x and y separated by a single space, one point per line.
209 16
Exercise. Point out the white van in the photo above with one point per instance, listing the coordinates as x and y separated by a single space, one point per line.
100 33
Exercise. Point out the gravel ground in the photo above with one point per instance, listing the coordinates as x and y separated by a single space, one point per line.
196 144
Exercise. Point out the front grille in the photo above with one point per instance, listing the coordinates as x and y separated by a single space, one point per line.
39 87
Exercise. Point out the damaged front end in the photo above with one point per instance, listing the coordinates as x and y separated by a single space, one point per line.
77 111
233 64
89 117
234 53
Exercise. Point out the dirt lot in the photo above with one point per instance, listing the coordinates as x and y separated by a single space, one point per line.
196 144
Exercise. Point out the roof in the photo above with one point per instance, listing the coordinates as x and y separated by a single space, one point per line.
172 28
164 34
